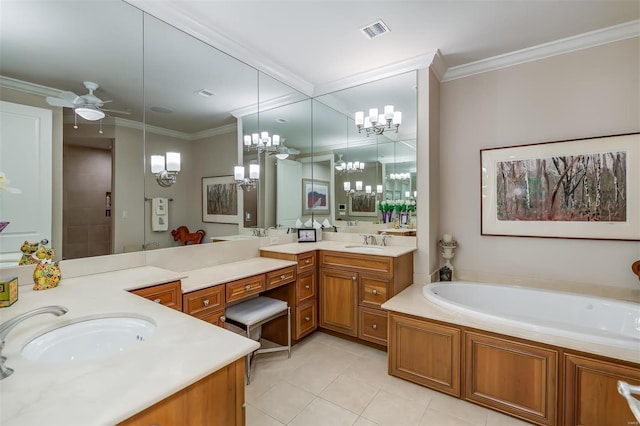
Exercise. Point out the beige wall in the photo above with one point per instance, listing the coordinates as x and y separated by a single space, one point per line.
591 92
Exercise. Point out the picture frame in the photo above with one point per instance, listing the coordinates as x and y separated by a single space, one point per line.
315 196
362 205
307 235
579 188
220 200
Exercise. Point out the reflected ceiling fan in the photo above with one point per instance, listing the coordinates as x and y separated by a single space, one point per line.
87 106
282 151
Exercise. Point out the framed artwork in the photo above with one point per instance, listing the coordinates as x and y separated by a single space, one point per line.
306 235
362 205
220 200
580 188
315 196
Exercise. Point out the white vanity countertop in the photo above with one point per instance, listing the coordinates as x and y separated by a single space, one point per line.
181 351
207 277
343 246
411 301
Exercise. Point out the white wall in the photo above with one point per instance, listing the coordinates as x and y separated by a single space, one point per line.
591 92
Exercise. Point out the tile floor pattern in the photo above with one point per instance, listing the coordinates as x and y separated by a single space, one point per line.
331 381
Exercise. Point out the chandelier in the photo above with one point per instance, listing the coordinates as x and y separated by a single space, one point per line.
262 142
378 124
348 167
400 176
368 191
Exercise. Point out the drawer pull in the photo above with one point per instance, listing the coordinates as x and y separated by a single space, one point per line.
156 300
307 286
223 318
307 319
206 302
374 326
353 278
374 291
283 276
307 261
247 287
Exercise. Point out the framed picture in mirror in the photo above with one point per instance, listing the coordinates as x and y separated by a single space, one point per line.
307 235
220 200
315 196
362 205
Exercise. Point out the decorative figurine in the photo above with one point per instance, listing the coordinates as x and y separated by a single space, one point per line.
448 244
47 273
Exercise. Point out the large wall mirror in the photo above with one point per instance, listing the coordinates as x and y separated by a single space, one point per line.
163 91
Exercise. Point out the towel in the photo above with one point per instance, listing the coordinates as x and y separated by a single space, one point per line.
326 223
159 214
308 224
298 223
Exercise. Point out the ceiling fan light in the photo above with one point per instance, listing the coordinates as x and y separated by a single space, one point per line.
90 114
282 156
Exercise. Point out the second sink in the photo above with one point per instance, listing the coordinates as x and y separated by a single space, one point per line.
89 338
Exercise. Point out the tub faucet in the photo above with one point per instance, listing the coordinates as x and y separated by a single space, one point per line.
8 325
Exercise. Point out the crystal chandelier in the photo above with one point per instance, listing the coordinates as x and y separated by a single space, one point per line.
378 124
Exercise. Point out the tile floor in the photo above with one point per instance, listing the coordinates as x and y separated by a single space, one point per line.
331 381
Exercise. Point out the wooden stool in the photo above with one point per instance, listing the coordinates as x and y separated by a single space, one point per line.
250 316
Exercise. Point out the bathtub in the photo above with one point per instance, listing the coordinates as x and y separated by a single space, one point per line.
569 315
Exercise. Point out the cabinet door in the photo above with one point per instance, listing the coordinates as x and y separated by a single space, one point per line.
339 301
513 377
425 353
590 392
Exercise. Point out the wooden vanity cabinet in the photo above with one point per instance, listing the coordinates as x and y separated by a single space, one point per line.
590 391
302 297
218 399
169 294
354 286
245 287
206 304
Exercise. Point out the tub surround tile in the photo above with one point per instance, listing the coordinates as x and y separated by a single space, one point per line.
411 301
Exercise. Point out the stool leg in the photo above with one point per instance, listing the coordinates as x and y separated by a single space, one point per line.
248 363
289 332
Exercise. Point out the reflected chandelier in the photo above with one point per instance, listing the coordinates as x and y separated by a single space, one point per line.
378 124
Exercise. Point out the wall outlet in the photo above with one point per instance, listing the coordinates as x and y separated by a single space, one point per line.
342 213
274 240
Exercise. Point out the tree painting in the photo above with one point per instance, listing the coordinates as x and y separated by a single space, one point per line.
588 187
222 199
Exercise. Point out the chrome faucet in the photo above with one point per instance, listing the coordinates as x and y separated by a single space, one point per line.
8 325
385 236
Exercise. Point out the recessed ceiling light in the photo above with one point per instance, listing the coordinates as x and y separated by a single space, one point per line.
375 29
205 92
280 120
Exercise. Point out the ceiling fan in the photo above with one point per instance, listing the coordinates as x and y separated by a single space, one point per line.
283 151
87 106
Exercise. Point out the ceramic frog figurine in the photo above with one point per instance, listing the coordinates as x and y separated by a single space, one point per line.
47 273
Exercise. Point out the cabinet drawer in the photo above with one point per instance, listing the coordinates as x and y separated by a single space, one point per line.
215 317
305 288
306 262
359 262
245 287
203 301
305 320
280 277
373 291
169 294
373 325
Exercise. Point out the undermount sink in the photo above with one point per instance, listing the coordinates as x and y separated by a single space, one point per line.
89 338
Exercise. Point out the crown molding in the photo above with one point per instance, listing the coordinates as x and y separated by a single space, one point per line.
406 65
25 86
558 47
287 99
438 66
176 14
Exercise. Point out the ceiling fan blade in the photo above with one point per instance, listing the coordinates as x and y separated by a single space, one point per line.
115 111
60 102
69 96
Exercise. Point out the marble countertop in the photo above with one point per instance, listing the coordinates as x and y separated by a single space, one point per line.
207 277
411 301
112 389
343 246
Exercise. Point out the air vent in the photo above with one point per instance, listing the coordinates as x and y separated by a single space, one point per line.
376 29
206 93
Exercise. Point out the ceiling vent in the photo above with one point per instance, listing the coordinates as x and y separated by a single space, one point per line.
375 29
206 93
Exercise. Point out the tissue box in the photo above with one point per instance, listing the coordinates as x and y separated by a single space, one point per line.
8 291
